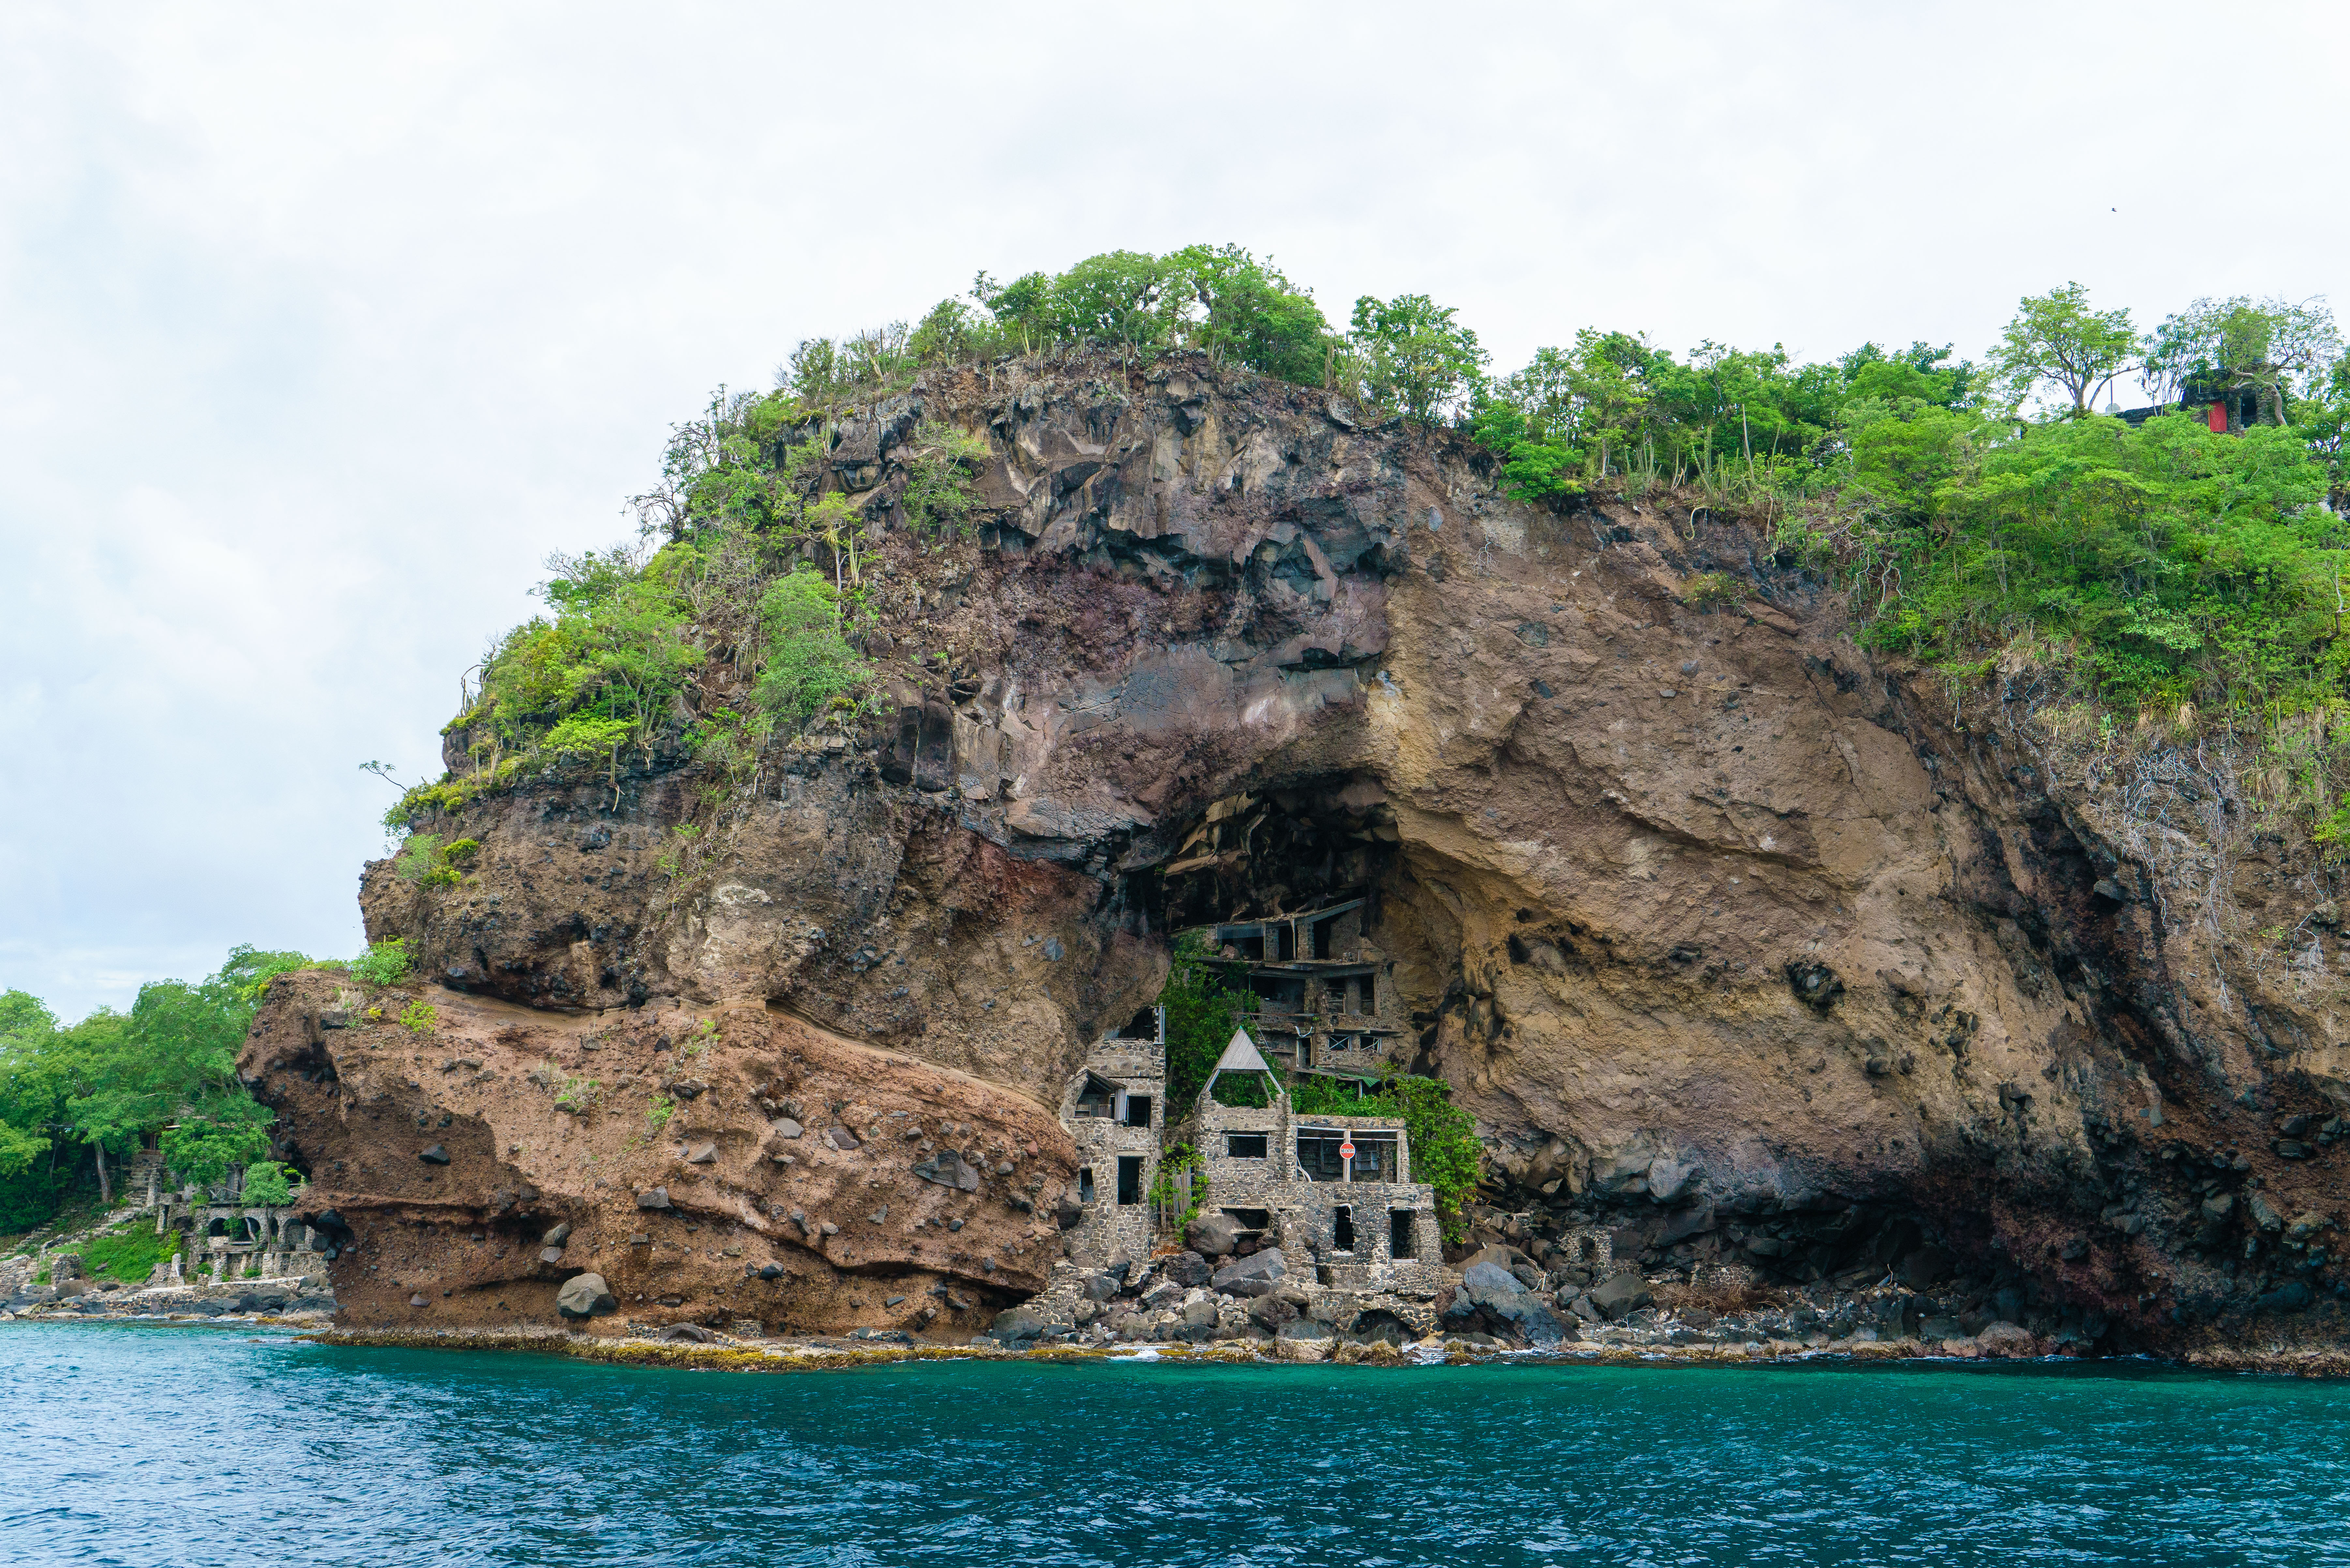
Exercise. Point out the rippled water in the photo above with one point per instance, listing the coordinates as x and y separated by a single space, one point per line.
138 1445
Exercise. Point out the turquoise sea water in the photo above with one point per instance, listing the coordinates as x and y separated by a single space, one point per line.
149 1444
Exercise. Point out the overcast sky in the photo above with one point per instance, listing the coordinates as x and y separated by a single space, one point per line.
321 325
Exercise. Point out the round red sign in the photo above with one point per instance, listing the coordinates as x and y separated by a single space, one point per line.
1347 1149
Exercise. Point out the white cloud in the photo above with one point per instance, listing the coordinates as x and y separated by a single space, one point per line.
324 325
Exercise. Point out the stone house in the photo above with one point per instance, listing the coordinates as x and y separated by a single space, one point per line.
1116 1113
1334 1188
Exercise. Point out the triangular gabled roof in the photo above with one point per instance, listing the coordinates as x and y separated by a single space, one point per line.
1241 1056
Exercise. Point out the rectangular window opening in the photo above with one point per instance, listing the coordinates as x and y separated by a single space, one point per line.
1137 1110
1246 942
1376 1157
1342 1232
1399 1233
1085 1184
1244 1146
1129 1178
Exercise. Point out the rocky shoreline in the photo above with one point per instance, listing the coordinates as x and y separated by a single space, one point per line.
1857 1330
721 1353
292 1297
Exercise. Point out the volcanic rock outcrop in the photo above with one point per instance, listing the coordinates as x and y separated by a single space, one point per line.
1736 939
726 1165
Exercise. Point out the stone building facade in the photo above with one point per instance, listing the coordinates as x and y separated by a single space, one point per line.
227 1241
1328 1000
1116 1111
1285 1177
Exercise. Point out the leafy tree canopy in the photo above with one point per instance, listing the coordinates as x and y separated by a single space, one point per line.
167 1065
2224 345
2056 337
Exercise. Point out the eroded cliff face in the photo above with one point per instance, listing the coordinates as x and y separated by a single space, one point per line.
721 1165
1755 948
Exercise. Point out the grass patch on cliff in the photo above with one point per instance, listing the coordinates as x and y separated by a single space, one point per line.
129 1254
808 664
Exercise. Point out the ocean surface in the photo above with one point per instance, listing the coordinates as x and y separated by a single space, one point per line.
145 1444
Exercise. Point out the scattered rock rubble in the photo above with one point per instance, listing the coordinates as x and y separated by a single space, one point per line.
295 1297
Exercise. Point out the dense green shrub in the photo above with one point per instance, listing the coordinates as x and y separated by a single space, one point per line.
383 963
1204 999
601 672
808 664
419 856
2164 564
940 463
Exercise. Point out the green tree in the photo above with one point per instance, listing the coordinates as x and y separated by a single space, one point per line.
1920 373
265 1183
1418 359
1204 1000
174 1062
818 378
2057 338
953 332
34 1089
73 1097
1021 309
2271 348
2322 418
1118 297
1250 313
1531 469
